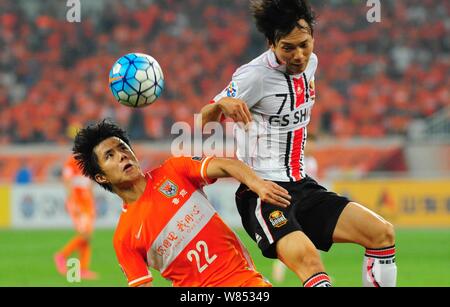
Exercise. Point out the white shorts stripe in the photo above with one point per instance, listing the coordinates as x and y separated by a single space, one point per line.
261 221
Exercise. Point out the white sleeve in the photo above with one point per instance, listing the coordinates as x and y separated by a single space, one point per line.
312 66
246 84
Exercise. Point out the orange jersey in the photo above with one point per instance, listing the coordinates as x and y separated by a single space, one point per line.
174 229
81 197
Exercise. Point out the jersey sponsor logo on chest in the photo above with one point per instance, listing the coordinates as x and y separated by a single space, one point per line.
181 229
297 117
184 225
291 108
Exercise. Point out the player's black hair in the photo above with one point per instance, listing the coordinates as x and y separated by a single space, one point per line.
86 140
277 18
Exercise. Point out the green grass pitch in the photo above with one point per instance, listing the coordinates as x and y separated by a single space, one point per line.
26 259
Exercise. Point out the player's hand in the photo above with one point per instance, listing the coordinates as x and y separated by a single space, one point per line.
272 193
236 109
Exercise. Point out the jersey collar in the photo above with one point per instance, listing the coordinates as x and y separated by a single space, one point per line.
273 63
148 177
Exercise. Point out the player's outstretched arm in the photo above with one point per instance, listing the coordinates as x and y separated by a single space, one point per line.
267 191
233 108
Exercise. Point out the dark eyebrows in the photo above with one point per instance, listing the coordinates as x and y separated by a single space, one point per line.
119 145
292 45
111 149
107 153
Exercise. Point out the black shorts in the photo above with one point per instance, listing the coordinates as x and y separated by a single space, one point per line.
313 210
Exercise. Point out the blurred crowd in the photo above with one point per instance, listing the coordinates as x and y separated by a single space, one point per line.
373 79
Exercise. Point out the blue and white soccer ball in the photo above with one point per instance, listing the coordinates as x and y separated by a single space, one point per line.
136 80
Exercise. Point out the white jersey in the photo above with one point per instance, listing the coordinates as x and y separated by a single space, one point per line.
281 109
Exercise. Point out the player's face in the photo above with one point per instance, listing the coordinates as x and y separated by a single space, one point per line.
118 162
295 49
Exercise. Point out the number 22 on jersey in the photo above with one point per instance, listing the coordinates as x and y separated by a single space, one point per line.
201 249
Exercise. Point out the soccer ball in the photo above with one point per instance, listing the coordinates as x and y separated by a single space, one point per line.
136 80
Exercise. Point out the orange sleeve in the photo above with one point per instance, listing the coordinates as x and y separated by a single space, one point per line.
68 171
194 168
133 265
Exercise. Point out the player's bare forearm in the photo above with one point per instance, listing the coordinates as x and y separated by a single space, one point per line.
210 113
221 167
268 191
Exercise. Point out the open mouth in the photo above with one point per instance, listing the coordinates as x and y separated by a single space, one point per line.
127 166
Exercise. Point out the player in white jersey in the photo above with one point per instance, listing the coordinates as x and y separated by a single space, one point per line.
273 96
311 167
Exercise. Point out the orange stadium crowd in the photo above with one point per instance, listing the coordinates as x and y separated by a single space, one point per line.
373 79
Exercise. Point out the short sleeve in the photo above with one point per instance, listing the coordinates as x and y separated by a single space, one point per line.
310 71
193 168
312 67
246 84
133 265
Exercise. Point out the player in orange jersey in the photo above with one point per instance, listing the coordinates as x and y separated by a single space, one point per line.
167 222
80 206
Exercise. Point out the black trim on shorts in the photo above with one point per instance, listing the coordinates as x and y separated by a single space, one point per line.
313 210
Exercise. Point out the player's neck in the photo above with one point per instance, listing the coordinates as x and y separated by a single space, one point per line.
131 192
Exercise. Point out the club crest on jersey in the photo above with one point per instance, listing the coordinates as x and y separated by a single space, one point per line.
168 188
277 219
232 89
299 90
